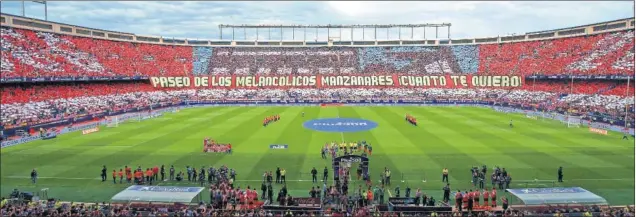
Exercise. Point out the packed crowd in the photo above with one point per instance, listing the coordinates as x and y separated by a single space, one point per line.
32 54
46 103
53 109
56 208
27 53
603 54
576 210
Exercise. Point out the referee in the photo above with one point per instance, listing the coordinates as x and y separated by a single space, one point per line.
445 175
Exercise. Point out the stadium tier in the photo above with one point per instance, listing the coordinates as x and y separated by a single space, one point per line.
32 54
37 55
53 83
39 104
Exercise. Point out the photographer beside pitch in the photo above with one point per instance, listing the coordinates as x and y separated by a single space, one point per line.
103 173
34 176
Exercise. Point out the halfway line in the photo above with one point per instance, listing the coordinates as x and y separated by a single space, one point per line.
341 133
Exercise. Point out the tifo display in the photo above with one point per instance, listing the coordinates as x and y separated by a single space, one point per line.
582 56
324 81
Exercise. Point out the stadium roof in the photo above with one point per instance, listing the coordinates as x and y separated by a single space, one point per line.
66 24
338 26
576 27
61 28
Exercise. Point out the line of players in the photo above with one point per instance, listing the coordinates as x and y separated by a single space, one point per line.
270 119
412 120
213 146
470 199
140 177
347 148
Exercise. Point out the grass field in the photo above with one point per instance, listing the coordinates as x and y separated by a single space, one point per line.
452 137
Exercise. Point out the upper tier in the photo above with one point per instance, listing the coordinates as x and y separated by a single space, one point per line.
38 54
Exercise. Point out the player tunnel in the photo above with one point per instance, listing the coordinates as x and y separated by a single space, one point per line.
346 162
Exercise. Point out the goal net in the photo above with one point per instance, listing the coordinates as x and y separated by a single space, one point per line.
112 121
532 115
573 121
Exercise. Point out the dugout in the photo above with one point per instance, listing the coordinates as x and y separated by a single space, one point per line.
556 196
346 161
160 194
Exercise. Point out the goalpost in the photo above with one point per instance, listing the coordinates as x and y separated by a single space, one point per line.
573 121
112 121
139 117
532 115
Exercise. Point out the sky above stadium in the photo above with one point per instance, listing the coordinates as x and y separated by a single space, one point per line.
200 19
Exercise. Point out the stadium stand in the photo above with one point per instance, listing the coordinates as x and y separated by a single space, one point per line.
39 54
603 54
45 103
59 208
35 54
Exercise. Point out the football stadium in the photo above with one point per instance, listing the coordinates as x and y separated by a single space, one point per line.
103 123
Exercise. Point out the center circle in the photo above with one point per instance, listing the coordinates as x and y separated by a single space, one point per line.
340 125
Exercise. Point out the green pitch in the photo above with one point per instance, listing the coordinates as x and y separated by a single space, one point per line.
452 137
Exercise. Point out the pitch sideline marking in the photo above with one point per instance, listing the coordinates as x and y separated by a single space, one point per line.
533 184
300 180
76 146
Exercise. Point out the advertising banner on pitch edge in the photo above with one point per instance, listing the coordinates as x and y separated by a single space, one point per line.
598 131
278 146
91 130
